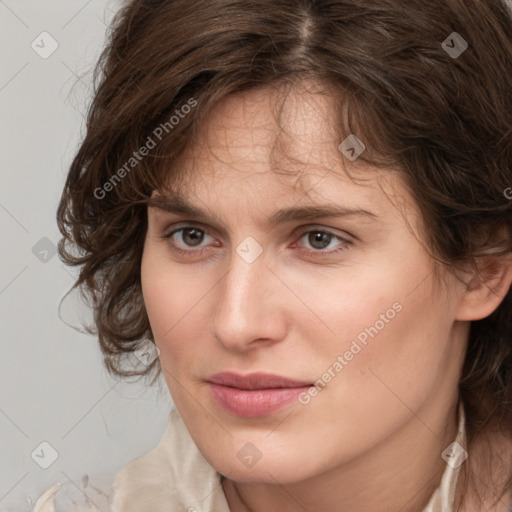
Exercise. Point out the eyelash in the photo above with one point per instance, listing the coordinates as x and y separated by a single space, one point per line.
311 252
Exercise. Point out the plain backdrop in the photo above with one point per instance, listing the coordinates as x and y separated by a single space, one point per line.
53 387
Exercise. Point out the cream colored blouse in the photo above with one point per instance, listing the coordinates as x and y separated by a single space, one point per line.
175 477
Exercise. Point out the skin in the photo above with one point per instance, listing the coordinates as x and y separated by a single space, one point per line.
371 439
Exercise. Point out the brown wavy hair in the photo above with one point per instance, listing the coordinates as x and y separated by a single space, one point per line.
444 122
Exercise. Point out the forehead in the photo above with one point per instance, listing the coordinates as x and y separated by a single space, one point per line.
278 146
282 128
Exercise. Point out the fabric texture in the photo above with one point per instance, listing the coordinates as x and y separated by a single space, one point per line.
175 477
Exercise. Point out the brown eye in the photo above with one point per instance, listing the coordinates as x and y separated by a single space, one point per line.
319 240
192 236
187 237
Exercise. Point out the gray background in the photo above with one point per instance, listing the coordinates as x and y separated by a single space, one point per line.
53 386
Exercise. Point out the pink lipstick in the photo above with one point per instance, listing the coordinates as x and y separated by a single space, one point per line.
255 394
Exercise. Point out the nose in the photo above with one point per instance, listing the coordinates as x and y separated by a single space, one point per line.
249 311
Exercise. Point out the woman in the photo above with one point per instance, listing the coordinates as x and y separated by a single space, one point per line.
302 207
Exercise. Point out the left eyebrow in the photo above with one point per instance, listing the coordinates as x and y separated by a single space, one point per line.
316 212
177 204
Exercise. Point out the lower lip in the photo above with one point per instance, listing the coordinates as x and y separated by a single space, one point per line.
254 403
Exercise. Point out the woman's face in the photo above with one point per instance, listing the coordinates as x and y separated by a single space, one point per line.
348 302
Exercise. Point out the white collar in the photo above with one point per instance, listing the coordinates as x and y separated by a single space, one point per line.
443 497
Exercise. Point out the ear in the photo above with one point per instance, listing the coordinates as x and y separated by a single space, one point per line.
487 288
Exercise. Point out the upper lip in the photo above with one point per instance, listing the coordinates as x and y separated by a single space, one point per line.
255 381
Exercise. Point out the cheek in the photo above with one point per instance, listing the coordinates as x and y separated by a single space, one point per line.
162 302
398 367
165 308
401 361
391 331
173 304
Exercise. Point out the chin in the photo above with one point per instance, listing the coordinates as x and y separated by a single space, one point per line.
269 471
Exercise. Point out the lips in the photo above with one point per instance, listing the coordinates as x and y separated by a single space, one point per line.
255 394
256 381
